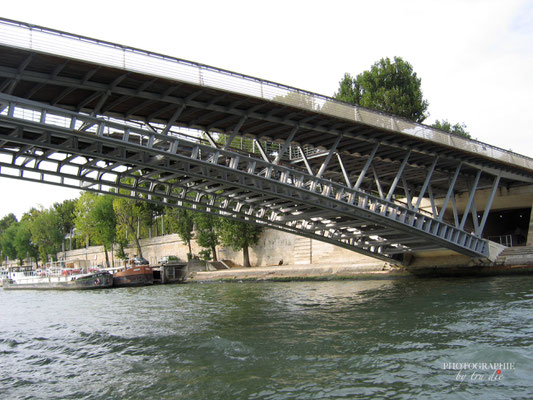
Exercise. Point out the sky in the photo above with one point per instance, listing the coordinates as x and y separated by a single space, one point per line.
474 57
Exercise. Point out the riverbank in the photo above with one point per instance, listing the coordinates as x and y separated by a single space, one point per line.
515 261
330 272
300 272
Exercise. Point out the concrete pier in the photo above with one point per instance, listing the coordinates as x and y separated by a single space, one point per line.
170 273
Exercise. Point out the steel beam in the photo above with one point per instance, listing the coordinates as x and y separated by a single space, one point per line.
450 193
235 132
488 206
368 162
376 180
286 145
344 172
471 199
426 183
173 119
328 157
261 150
398 175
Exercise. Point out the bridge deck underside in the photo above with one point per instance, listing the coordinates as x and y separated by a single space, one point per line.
100 90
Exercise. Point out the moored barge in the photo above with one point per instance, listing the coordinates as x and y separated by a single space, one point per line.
64 279
136 272
137 275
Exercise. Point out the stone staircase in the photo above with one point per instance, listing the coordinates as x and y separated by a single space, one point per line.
520 255
302 251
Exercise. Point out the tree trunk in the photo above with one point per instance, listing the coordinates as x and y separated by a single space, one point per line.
136 239
246 257
138 245
106 256
190 250
214 252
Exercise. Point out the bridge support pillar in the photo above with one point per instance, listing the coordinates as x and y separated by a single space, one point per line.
529 241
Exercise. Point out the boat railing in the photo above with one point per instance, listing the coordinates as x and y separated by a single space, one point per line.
52 269
112 270
66 271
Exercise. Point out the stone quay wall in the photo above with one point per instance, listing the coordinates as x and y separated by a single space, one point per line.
274 247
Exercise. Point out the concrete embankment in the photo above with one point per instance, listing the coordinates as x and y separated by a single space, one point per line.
510 262
300 272
325 272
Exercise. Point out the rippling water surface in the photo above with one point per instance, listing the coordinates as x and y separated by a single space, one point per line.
300 340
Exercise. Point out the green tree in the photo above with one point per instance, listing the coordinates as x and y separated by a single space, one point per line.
122 243
7 241
239 235
205 226
66 212
46 233
129 213
349 91
181 221
457 129
149 212
5 223
392 87
106 223
83 220
24 246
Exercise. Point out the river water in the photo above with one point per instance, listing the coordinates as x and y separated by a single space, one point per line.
383 339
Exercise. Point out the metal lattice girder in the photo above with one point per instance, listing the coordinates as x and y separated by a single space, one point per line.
43 143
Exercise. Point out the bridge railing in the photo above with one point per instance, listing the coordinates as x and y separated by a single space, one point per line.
27 36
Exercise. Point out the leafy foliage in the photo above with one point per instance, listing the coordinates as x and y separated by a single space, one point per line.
149 213
83 220
66 212
349 90
24 246
457 129
206 227
392 87
5 223
129 214
105 219
181 221
7 241
16 239
98 221
46 233
239 235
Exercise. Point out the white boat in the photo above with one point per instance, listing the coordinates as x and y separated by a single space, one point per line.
55 278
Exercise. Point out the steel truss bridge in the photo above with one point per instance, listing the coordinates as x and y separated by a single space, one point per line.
94 115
